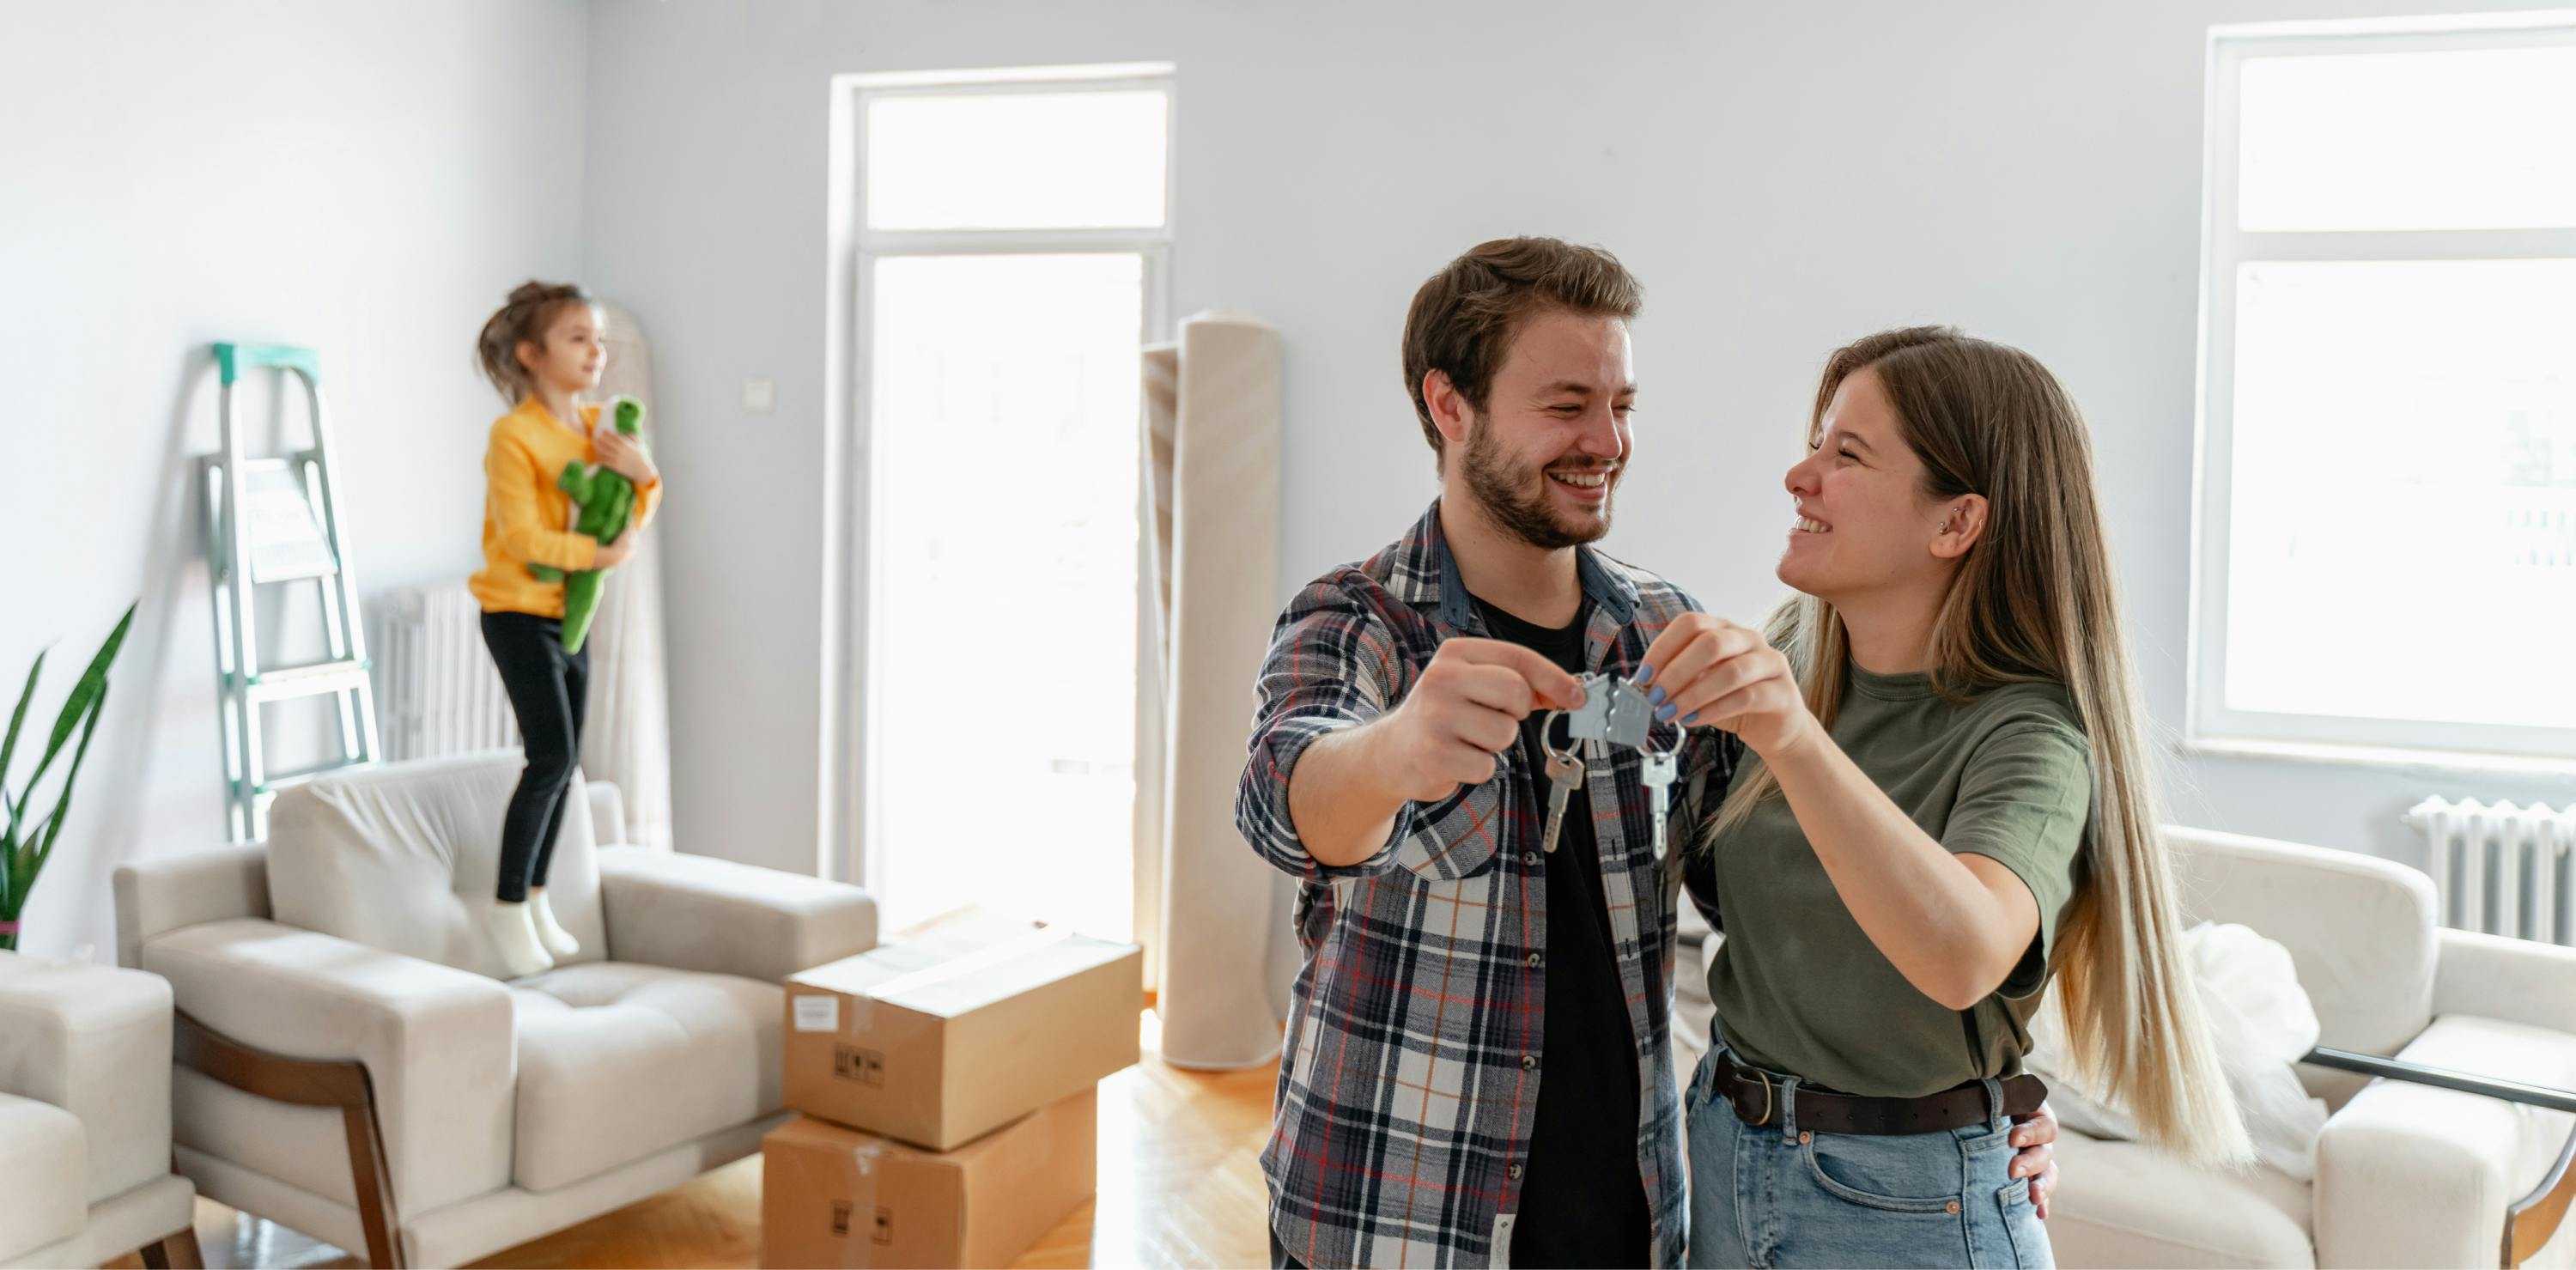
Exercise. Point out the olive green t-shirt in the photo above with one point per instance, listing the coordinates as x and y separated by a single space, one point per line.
1801 989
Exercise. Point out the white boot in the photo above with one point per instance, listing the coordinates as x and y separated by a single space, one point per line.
549 931
514 933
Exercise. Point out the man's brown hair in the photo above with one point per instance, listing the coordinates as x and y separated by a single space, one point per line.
1464 317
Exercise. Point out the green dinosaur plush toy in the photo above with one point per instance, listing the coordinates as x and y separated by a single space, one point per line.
605 501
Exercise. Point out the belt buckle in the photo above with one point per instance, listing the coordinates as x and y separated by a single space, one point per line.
1767 1108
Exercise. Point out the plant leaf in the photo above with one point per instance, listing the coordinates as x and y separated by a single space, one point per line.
85 693
54 818
18 806
18 718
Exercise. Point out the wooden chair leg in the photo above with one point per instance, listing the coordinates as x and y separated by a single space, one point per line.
341 1084
175 1251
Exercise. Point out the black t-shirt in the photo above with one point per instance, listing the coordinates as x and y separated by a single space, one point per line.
1583 1203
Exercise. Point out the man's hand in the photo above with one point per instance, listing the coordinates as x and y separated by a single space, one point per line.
2037 1159
1466 708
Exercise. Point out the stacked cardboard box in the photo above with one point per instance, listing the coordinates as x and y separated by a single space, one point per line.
946 1081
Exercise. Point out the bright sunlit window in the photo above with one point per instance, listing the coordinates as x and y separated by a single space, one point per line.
1012 258
2387 532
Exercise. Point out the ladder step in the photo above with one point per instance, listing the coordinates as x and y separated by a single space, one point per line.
285 780
308 681
301 570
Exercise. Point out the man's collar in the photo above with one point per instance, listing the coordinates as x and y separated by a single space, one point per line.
1426 576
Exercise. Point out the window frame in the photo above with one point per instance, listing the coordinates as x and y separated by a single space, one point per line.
2211 725
848 819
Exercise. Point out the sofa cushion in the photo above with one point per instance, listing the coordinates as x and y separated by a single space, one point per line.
406 858
618 1060
2360 929
40 1205
2120 1204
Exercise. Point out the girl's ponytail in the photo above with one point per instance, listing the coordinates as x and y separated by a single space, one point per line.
521 321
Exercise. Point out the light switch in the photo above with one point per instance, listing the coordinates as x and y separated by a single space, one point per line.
759 395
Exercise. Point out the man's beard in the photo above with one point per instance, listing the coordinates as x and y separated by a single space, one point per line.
1526 511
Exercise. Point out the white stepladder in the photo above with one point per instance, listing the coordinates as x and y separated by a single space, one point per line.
274 521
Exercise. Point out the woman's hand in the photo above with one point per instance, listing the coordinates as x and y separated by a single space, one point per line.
1706 669
619 453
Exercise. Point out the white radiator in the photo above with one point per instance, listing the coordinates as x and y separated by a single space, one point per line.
2502 869
436 690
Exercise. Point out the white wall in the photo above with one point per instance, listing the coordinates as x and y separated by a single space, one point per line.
1783 176
366 179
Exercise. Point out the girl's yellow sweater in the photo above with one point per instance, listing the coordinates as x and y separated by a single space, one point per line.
527 517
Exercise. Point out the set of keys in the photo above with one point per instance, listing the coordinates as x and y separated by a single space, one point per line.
1614 712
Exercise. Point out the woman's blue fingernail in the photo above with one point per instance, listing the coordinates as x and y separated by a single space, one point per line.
1665 711
1691 718
1645 674
1655 698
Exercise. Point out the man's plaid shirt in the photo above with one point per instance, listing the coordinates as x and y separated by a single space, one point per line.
1411 1073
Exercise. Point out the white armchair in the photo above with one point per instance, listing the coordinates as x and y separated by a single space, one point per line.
2406 1175
85 1118
351 1065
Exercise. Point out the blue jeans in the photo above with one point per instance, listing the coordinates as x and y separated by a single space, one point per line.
1773 1195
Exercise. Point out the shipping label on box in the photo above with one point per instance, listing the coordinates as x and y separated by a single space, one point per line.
939 1039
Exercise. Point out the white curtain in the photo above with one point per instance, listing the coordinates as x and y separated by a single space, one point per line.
627 733
1214 913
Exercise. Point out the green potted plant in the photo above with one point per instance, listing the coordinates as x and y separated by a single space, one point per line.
25 846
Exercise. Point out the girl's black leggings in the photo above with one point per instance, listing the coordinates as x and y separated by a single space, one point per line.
548 688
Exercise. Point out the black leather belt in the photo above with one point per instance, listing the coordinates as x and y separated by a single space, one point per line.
1755 1096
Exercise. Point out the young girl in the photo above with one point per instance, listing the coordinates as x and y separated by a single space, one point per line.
1948 804
542 348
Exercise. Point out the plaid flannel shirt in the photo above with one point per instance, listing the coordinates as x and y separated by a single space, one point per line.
1411 1071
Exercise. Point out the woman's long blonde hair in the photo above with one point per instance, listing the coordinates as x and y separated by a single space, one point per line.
2033 602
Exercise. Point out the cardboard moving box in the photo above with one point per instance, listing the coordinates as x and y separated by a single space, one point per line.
837 1197
969 1025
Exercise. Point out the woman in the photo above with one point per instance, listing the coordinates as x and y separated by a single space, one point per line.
1947 805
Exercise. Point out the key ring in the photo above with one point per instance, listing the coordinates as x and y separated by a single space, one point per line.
1681 737
1548 745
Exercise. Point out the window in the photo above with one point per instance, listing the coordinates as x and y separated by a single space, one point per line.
2387 506
1011 241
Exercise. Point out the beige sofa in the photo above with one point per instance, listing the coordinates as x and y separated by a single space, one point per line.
2406 1175
350 1064
85 1118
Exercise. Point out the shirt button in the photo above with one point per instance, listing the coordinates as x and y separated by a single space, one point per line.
1533 959
1529 1062
1529 857
1514 1172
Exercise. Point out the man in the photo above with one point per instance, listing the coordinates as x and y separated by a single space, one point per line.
1478 1064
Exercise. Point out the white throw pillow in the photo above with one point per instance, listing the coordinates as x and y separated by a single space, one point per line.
2260 1023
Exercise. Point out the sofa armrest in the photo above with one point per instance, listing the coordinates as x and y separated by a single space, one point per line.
692 912
95 1041
155 897
2414 1174
2410 1175
2516 980
439 1043
607 812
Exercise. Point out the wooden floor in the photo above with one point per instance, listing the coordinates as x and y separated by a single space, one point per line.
1180 1185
